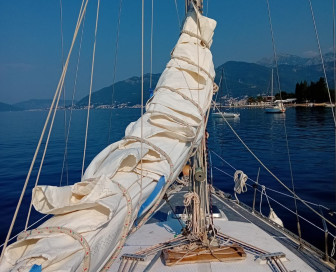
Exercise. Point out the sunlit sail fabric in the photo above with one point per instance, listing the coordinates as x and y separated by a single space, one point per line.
92 217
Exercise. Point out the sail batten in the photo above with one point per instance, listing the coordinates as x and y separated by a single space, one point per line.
102 207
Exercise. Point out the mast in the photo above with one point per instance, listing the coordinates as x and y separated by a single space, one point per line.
272 86
221 89
198 4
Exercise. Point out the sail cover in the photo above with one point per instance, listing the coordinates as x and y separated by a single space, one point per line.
93 217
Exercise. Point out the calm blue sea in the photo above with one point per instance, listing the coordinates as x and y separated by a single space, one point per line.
311 140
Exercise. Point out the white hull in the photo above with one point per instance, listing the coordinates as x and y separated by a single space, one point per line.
226 114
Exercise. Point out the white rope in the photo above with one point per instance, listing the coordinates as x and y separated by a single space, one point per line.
189 198
322 60
240 179
91 80
184 181
240 183
58 89
333 249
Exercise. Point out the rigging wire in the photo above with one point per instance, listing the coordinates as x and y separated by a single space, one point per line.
151 48
178 15
284 120
58 90
43 156
115 68
334 53
142 97
73 99
65 117
91 80
322 60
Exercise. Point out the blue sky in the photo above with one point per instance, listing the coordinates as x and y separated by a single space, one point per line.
30 48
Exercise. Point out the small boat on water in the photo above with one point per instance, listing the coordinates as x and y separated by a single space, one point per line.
278 107
225 114
217 112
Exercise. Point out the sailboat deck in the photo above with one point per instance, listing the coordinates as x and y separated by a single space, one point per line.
236 221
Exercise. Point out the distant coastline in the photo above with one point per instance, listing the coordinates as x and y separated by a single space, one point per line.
138 106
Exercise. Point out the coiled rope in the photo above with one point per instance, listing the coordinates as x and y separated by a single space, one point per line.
188 199
240 179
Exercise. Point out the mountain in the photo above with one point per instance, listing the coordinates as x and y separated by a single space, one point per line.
7 107
253 79
126 92
37 104
241 79
288 59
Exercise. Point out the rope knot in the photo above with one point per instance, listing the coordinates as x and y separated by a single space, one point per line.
240 182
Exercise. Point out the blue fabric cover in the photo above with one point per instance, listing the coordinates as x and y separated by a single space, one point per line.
152 196
36 268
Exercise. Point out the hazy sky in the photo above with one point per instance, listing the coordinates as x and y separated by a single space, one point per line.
30 48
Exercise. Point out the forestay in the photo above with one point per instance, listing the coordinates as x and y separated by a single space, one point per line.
93 217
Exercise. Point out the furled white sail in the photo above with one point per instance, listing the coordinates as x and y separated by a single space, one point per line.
93 217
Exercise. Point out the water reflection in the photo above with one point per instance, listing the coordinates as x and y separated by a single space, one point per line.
314 116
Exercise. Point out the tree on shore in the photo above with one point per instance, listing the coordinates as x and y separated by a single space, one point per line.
315 92
284 95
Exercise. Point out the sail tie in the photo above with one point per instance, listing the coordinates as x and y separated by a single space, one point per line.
126 227
70 232
181 94
194 64
203 41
